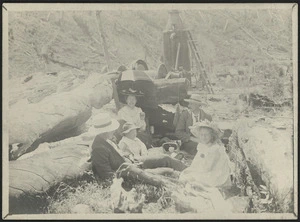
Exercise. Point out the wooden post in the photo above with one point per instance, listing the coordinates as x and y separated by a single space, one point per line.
177 56
115 95
101 33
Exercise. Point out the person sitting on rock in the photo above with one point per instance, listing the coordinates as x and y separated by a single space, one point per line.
186 119
107 157
211 166
131 113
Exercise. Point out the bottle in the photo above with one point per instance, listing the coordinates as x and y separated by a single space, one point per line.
152 129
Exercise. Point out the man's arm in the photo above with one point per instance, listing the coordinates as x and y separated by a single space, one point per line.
125 151
206 116
101 162
180 130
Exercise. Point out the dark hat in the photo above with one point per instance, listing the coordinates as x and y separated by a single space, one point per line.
132 92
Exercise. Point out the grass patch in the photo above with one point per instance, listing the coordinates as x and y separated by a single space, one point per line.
98 197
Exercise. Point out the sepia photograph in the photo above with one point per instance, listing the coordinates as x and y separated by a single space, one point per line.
150 111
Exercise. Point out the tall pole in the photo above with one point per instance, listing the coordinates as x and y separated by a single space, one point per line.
104 45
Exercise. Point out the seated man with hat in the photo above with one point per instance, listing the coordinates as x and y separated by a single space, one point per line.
189 118
107 157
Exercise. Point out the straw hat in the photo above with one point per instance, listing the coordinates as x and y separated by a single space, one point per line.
127 127
197 99
131 92
206 124
102 123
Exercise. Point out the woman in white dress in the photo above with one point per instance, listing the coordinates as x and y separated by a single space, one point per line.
132 114
211 165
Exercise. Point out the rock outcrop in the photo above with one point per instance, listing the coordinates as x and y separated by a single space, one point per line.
33 123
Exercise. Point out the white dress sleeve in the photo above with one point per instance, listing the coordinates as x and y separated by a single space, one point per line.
122 114
142 123
143 148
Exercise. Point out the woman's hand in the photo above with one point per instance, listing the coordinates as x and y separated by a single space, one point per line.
194 139
176 174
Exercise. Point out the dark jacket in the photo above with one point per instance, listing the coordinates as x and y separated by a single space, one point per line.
185 121
105 159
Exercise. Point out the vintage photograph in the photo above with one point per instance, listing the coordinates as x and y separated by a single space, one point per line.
150 111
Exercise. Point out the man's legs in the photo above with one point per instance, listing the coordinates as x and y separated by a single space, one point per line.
190 147
163 161
133 172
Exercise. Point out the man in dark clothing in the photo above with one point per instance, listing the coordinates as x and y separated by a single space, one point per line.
186 119
107 159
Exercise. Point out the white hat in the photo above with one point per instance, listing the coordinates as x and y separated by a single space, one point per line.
102 123
127 127
206 124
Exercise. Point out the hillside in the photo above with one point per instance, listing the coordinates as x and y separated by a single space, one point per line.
54 41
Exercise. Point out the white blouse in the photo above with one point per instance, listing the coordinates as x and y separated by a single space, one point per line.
133 116
135 147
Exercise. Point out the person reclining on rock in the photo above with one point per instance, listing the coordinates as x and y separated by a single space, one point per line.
107 158
188 118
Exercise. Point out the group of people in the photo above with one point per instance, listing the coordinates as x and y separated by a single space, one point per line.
200 137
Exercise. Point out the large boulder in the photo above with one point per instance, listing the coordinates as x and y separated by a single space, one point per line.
36 174
56 114
269 153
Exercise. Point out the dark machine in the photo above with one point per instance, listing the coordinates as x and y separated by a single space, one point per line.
168 84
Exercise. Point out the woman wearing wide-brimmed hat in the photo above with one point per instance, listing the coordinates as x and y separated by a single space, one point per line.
186 119
131 113
211 165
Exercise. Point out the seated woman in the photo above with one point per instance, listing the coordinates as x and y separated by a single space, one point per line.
131 146
211 165
135 150
131 113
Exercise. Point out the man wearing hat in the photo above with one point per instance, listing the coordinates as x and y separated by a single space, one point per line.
187 119
107 157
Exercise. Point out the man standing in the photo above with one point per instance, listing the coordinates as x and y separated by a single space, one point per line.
187 119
